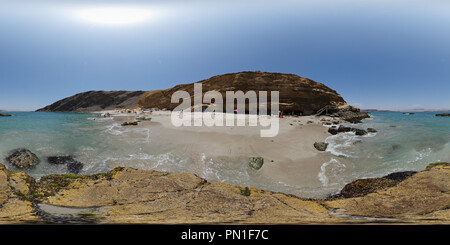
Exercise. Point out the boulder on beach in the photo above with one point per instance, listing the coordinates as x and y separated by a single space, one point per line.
23 158
298 95
321 146
95 101
371 130
333 130
73 166
443 115
256 162
359 132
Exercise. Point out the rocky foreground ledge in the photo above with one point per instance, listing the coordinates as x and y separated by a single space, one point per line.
126 195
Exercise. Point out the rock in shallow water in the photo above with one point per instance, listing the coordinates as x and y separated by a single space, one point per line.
23 158
297 95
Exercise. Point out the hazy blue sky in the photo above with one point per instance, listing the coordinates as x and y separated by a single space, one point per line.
392 54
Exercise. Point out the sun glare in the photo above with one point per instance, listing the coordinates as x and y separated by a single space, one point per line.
115 15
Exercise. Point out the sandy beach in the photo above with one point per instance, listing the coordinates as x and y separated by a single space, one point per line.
289 158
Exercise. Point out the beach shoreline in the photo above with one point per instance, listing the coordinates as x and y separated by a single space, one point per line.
184 195
290 158
118 197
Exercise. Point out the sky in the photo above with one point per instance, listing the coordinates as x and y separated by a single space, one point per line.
378 54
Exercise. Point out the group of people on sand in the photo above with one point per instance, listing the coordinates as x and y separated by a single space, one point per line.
129 110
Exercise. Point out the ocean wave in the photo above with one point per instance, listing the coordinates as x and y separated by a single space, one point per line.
100 119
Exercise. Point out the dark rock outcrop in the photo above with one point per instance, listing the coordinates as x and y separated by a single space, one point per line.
343 129
95 101
23 158
443 115
4 115
130 123
118 197
73 166
363 187
256 162
298 95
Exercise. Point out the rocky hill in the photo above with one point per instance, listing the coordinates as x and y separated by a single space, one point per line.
297 94
95 101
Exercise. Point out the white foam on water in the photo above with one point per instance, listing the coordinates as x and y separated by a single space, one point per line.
111 129
100 119
104 144
340 144
331 125
368 135
207 170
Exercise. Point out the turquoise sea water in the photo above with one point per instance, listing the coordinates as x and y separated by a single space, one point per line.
402 143
97 142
